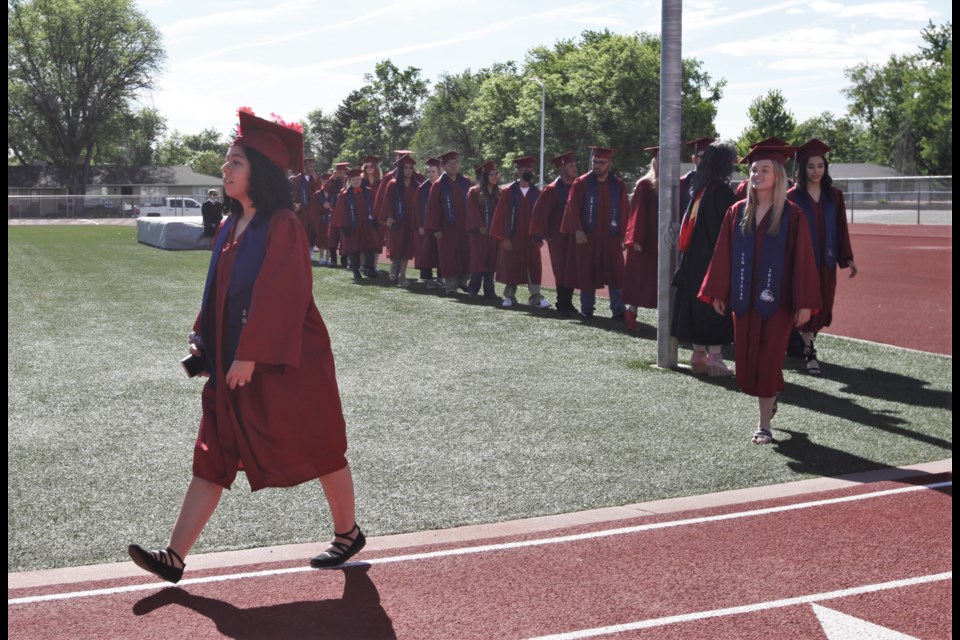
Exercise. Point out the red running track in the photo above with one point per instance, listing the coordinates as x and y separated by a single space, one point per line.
830 564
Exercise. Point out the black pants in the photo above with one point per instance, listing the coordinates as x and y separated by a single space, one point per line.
369 258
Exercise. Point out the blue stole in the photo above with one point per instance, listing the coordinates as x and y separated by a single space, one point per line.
399 208
563 191
515 196
246 268
352 206
304 191
489 206
772 256
424 193
589 215
324 213
829 225
446 189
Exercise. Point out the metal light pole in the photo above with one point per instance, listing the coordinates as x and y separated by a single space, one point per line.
543 114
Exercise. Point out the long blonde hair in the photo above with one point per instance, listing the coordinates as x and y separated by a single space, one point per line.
652 176
779 200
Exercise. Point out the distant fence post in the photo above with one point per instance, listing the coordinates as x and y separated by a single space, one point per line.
918 206
853 204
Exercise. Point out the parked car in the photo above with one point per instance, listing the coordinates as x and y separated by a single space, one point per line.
170 206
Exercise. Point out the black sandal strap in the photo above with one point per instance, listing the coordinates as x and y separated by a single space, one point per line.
175 555
347 534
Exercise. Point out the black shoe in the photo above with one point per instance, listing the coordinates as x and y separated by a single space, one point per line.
370 273
341 551
356 275
161 564
566 309
586 315
618 317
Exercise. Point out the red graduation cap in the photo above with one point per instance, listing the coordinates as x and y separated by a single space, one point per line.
810 148
344 166
354 173
564 158
700 144
449 155
653 151
406 158
433 162
485 168
402 152
279 141
777 153
601 153
373 159
768 142
526 162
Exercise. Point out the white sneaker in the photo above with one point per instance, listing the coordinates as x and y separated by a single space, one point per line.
507 302
393 277
322 262
543 304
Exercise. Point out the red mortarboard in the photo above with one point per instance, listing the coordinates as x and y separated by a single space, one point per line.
342 165
526 162
770 142
701 143
373 159
486 166
279 141
652 150
406 158
810 148
354 173
449 155
564 158
433 162
602 153
777 153
402 152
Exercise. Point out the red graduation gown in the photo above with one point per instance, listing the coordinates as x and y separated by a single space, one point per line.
599 261
453 247
761 345
286 425
640 281
520 265
545 223
363 237
402 240
428 256
483 247
828 276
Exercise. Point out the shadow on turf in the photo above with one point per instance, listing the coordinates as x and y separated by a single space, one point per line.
358 614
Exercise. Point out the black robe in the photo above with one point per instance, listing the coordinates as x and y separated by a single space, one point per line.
695 321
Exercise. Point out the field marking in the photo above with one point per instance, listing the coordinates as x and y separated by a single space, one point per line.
750 608
462 551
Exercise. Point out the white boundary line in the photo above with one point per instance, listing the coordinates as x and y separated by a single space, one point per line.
461 551
750 608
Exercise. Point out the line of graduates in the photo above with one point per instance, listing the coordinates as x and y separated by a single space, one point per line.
754 263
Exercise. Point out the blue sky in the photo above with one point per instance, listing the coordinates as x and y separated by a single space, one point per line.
292 57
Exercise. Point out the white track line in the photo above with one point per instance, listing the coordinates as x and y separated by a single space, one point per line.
750 608
462 551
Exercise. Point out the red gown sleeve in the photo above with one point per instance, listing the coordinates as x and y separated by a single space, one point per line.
540 218
474 216
635 232
844 248
273 332
571 214
385 201
806 275
500 224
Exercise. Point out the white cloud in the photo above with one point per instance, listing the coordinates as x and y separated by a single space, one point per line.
603 21
916 10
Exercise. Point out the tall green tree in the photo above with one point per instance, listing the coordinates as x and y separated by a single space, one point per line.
444 126
906 105
318 140
130 139
847 139
72 67
768 116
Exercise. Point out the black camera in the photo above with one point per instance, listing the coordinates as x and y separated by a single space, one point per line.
194 365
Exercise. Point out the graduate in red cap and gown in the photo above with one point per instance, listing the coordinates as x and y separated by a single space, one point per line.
594 220
428 255
641 239
359 227
763 269
545 223
319 219
824 208
336 185
698 147
303 185
397 214
271 405
447 219
481 203
519 260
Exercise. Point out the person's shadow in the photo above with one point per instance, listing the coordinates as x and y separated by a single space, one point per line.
358 614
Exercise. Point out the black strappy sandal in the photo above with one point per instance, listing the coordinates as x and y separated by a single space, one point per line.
810 355
340 551
159 562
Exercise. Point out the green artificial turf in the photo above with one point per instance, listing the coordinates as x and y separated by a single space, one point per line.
457 412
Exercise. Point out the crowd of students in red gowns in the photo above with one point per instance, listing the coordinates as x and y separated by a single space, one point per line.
599 235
